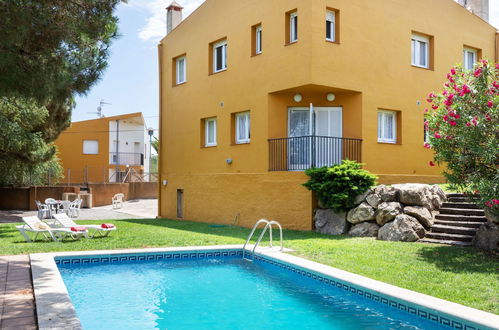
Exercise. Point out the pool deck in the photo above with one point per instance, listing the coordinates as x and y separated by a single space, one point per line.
17 305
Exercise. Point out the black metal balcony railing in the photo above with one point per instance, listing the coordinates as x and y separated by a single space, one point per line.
301 153
126 158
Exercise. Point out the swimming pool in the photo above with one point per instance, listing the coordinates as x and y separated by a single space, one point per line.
216 289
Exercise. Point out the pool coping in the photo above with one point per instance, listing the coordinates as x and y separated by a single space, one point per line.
56 311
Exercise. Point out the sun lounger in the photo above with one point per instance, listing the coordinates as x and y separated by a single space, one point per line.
102 230
36 226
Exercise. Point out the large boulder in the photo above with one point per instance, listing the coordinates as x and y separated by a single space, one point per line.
403 229
436 190
330 223
415 194
387 193
421 214
374 200
387 212
362 197
363 212
364 229
487 237
492 218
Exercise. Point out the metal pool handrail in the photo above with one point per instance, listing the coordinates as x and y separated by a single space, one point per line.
268 224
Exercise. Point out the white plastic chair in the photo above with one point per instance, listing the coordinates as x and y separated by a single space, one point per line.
43 210
118 200
64 207
35 225
74 208
64 221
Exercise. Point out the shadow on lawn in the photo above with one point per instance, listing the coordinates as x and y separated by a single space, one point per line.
460 259
232 231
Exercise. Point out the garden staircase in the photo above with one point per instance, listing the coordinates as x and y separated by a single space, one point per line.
457 222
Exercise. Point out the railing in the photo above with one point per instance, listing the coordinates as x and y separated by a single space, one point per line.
126 158
301 153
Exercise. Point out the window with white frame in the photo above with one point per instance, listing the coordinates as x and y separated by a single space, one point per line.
181 70
330 26
258 40
210 130
90 147
293 27
243 127
387 126
470 57
420 47
220 56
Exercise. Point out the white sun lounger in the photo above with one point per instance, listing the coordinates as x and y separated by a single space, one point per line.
35 225
64 221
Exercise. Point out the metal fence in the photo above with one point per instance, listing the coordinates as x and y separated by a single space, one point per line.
91 174
126 158
301 153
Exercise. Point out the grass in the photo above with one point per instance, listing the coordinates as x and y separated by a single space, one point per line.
462 275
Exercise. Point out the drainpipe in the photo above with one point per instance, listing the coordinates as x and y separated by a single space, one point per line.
117 149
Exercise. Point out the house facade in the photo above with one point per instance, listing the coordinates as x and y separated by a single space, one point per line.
104 149
253 92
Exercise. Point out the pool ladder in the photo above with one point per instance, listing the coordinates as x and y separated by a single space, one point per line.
268 225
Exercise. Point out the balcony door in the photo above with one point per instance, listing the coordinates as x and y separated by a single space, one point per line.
317 144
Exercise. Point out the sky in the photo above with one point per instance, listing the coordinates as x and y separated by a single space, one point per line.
130 83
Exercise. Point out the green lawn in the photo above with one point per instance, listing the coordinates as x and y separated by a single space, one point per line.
461 275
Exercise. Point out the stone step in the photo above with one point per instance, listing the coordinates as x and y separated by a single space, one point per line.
448 210
460 205
447 242
460 199
457 223
462 195
449 237
454 230
458 217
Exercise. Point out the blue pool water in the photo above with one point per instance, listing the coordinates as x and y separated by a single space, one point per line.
224 293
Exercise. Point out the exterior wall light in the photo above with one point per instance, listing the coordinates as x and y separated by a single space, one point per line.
228 161
331 97
298 98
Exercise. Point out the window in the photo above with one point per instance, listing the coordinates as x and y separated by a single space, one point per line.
420 51
331 26
470 57
243 128
387 126
220 56
181 69
292 26
90 147
210 131
258 40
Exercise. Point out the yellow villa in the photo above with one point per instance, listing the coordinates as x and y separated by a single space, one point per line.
253 92
104 149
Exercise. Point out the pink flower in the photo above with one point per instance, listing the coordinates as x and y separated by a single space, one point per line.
434 107
468 124
477 73
446 118
497 66
437 135
490 104
475 121
448 137
457 116
466 89
484 62
496 201
431 163
427 145
453 71
489 204
487 117
452 123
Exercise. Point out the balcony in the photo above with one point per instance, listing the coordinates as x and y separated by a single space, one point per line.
126 158
301 153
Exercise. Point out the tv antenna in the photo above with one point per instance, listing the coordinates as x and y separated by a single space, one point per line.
99 109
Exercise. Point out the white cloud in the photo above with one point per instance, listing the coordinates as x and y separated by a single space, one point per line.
155 27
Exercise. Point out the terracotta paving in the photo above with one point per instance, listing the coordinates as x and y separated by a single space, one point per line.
17 305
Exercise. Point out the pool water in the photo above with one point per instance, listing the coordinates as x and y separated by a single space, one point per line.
228 293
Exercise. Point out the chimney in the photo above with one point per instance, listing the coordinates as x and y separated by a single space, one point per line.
477 7
173 16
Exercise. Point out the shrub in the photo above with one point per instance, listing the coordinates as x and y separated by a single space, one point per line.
463 127
337 186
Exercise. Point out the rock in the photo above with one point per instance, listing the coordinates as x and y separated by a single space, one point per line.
491 217
436 190
374 200
387 193
330 223
421 214
487 237
364 229
363 212
387 212
403 229
362 197
414 194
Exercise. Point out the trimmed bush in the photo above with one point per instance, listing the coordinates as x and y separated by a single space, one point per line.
337 186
